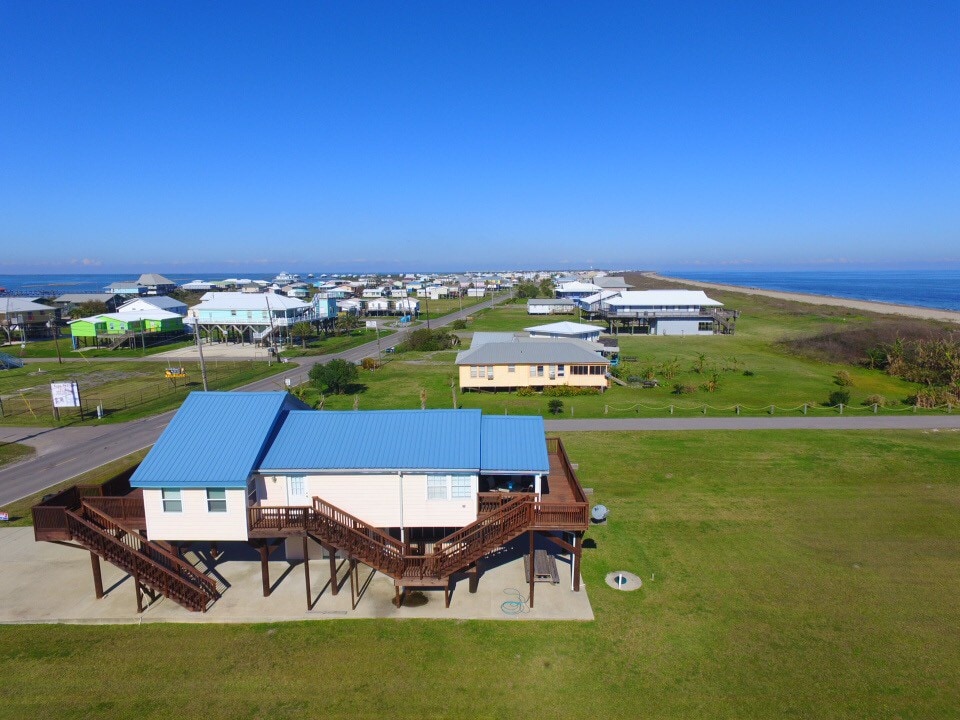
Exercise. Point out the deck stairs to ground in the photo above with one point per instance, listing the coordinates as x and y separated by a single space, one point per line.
117 341
618 381
9 362
151 564
333 527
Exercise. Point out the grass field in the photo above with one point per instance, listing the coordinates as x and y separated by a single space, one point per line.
10 452
751 367
802 574
47 349
334 343
126 390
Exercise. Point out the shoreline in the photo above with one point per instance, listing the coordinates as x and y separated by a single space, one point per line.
882 308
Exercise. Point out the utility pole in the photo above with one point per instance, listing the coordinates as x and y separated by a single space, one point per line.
376 326
52 324
426 300
203 367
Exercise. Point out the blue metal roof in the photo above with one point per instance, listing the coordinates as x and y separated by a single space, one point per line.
216 439
377 440
514 444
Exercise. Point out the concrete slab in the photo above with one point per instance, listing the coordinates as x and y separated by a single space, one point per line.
52 583
215 351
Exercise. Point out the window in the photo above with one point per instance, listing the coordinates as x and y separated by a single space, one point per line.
171 500
216 500
539 370
533 371
436 487
560 372
252 492
708 325
460 486
298 488
473 371
489 372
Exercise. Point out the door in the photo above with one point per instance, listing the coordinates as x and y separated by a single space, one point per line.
297 491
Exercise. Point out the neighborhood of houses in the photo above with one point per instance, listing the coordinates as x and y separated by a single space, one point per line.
419 496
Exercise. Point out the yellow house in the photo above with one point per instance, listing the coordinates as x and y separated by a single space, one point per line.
526 362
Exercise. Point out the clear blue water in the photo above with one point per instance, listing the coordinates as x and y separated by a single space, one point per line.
926 288
53 285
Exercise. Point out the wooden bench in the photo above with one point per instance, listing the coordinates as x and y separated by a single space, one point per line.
544 567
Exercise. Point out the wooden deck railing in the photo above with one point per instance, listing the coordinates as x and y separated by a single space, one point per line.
127 509
148 563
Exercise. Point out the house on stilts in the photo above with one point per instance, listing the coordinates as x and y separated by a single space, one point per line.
419 496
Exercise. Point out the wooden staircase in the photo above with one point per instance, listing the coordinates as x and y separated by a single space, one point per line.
87 521
336 528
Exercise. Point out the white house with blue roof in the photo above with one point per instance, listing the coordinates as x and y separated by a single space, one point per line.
420 496
224 453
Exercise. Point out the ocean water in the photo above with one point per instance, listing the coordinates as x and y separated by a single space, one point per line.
53 285
926 288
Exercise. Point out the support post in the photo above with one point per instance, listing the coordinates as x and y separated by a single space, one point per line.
265 569
306 569
136 585
576 564
97 578
334 585
533 567
474 576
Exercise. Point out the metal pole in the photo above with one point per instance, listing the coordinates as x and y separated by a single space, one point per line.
203 367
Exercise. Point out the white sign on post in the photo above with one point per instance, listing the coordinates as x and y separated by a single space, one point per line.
65 394
371 324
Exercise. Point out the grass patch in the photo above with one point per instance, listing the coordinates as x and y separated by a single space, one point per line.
334 343
11 452
786 574
47 349
19 510
126 390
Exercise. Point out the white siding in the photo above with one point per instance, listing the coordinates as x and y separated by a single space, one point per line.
194 522
375 498
681 327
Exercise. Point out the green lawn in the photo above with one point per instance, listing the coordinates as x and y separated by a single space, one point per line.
126 390
47 349
334 343
9 452
801 574
751 369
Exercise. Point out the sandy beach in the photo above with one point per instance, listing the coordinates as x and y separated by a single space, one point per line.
865 305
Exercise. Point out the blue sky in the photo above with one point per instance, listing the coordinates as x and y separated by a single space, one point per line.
334 136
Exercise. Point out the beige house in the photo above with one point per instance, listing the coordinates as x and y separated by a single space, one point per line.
534 363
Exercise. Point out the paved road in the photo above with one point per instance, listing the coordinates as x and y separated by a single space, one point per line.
63 453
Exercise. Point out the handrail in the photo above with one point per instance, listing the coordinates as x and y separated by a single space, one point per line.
151 550
133 560
118 508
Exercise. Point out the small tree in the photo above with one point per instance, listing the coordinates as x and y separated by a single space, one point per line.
303 330
839 397
346 322
555 406
546 288
88 308
336 376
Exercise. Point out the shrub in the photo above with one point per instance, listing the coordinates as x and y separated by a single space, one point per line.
336 376
681 389
843 379
569 391
839 397
429 340
875 400
555 406
524 391
369 363
748 373
933 396
458 325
